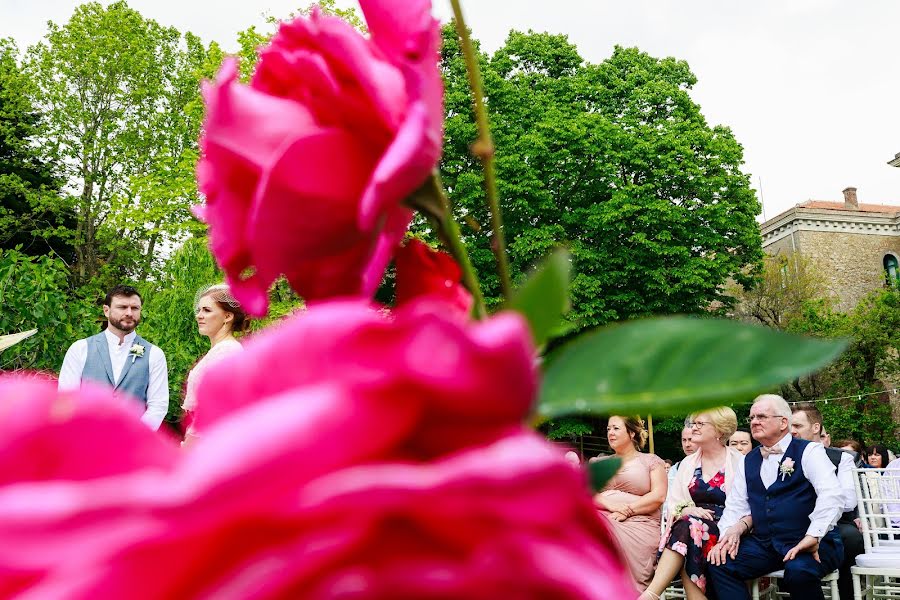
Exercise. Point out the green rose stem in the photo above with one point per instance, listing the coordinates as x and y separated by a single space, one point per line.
483 149
431 200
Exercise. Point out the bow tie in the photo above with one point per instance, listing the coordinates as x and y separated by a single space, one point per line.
766 452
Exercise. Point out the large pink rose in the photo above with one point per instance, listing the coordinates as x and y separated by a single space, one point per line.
344 455
64 455
460 382
305 170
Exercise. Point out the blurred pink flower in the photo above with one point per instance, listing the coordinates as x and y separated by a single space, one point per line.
64 458
422 271
305 170
345 455
454 382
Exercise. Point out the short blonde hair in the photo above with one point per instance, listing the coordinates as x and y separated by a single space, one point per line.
723 420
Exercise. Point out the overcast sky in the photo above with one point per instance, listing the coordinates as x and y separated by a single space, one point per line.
810 87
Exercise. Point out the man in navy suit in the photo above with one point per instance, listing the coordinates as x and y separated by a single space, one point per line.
780 511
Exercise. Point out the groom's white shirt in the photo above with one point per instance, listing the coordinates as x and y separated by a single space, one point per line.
817 468
157 390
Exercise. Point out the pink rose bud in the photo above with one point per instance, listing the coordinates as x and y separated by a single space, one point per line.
422 271
305 170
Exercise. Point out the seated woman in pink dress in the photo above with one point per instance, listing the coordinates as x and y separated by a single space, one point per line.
219 316
632 499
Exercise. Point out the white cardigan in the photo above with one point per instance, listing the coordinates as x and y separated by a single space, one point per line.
678 491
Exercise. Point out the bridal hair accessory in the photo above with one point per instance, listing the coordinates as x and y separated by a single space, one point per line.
219 292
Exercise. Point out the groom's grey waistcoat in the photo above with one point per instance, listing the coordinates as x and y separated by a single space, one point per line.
135 377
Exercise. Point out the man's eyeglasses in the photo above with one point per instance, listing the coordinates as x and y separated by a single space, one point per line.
752 418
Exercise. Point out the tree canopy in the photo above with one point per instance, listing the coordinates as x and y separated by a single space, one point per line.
613 160
121 98
783 288
866 371
29 183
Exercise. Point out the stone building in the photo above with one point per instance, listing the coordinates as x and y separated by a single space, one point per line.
855 245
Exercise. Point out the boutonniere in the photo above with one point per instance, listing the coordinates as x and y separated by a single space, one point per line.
787 467
136 350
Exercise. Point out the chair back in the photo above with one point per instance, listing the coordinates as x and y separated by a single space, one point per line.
878 496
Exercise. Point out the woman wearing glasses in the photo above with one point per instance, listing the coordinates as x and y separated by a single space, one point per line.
632 498
697 500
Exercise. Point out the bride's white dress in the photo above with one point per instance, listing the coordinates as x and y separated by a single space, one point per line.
227 347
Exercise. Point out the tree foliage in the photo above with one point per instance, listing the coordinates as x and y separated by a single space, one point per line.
35 294
613 160
778 296
870 365
250 40
121 99
568 428
30 217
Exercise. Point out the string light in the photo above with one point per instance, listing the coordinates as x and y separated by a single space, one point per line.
859 397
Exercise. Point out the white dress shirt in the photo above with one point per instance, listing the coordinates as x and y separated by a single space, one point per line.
157 390
845 478
817 468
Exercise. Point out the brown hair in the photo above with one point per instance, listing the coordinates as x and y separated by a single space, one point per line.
221 295
812 413
857 447
635 425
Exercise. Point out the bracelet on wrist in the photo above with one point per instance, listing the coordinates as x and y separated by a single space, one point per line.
681 506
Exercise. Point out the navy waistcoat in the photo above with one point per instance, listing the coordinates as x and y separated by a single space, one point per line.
781 512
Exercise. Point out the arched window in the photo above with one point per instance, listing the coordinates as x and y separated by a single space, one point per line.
891 269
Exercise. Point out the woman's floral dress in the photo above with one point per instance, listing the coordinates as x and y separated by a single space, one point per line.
693 537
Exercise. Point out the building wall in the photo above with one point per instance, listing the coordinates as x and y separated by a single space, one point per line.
852 263
784 247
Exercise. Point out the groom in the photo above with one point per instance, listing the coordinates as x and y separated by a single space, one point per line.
120 358
784 501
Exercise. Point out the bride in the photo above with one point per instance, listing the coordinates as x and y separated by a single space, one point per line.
219 317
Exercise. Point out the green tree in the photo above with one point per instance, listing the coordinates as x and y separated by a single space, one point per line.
778 296
34 294
250 40
870 365
613 160
28 181
119 92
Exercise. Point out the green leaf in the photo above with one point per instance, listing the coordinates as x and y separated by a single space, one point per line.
602 471
544 297
673 365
